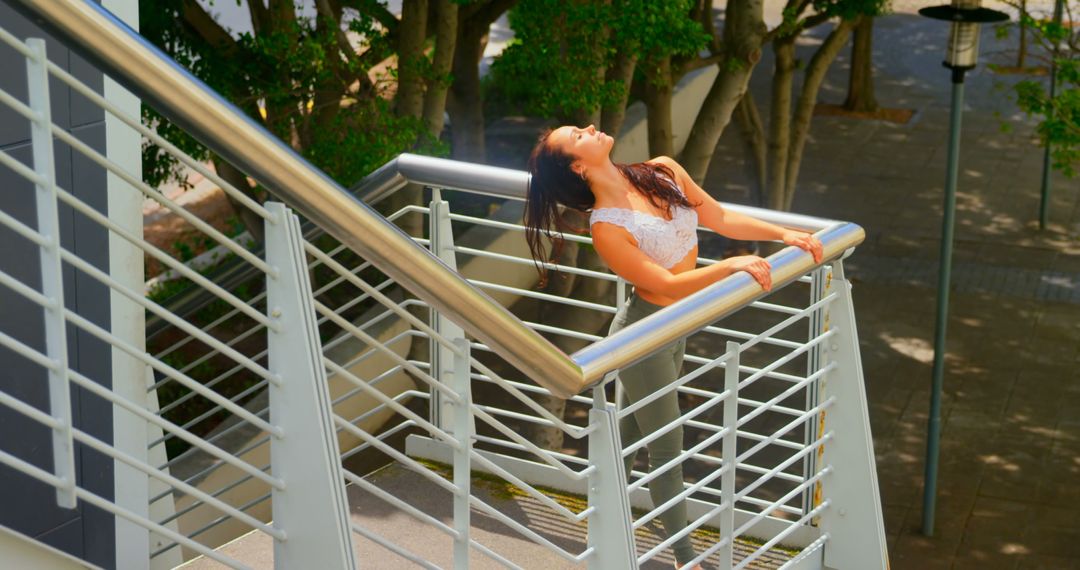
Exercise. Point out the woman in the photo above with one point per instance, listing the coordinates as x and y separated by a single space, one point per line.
644 220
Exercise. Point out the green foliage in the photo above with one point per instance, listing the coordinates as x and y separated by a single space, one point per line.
795 19
364 136
1059 116
294 77
556 64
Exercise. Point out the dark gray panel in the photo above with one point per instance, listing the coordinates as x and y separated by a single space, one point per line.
24 320
90 242
14 128
83 112
30 506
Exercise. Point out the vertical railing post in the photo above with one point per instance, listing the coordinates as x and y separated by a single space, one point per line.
816 327
441 236
610 534
853 520
729 447
461 383
52 281
311 509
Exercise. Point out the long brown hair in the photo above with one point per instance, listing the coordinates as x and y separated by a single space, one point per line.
554 183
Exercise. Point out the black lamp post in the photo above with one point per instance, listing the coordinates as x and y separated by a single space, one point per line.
965 15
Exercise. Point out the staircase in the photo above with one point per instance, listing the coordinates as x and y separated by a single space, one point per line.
369 398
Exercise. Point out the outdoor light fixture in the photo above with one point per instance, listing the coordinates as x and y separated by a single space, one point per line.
965 15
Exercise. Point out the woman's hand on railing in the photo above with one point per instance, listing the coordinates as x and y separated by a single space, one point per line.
757 267
806 241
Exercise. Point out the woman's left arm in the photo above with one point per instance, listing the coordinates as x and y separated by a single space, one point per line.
733 224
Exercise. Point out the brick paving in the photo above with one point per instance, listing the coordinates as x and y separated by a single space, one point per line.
1010 448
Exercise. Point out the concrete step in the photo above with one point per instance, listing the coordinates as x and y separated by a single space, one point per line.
374 514
423 540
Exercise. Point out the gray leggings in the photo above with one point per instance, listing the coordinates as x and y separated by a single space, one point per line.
638 381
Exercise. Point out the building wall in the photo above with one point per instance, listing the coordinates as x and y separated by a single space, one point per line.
29 506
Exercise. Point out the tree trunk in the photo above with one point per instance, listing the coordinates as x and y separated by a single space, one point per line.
753 136
744 31
780 120
622 71
658 95
253 222
464 103
409 100
1021 51
804 110
446 26
860 95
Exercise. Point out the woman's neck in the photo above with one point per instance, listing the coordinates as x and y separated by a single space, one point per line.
608 184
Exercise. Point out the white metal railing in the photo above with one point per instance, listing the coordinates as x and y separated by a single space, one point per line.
284 391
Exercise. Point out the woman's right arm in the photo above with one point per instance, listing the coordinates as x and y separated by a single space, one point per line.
616 246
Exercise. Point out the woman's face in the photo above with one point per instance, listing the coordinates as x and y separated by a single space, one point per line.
588 145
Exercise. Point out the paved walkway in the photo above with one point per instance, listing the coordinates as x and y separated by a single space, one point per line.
1010 459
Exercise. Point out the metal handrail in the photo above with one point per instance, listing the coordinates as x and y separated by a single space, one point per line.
130 59
409 168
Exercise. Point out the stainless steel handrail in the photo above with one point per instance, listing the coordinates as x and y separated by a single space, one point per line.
128 58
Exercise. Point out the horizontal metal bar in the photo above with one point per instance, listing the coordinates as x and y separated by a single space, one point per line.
512 227
34 295
105 279
29 411
521 386
103 161
532 447
524 530
397 455
382 434
20 107
783 465
573 431
374 381
106 505
220 491
682 495
187 381
477 457
697 523
511 445
794 389
797 316
544 296
136 124
21 169
32 470
397 359
786 428
377 539
499 558
398 503
523 261
679 459
221 519
110 451
161 256
375 293
781 535
723 359
165 424
24 230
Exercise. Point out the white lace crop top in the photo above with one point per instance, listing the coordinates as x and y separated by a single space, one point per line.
666 241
